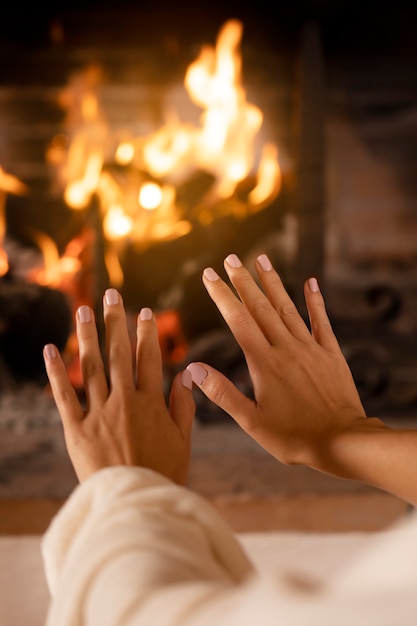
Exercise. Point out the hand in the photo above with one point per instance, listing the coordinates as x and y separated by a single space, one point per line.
305 397
126 422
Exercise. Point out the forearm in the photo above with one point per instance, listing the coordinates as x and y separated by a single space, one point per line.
375 454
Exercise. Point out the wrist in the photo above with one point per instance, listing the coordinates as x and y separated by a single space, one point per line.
347 452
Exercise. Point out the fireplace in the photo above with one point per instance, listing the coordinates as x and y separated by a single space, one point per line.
340 112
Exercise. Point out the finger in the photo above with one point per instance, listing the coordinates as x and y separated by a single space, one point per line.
320 324
235 313
181 403
259 305
280 300
148 353
223 393
63 392
91 362
119 348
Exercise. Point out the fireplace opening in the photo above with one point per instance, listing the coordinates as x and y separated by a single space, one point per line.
91 95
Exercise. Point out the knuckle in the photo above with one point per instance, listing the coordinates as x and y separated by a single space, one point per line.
93 368
217 393
65 396
238 318
261 305
288 310
274 279
119 352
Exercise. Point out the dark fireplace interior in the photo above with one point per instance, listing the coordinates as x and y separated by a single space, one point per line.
337 85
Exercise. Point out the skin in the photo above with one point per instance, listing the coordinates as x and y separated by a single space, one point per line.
126 420
306 409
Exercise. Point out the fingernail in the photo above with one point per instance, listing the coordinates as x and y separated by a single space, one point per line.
50 352
146 314
265 263
112 296
187 379
84 314
198 373
210 274
233 260
313 285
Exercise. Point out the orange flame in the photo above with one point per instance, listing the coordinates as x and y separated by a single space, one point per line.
55 268
8 184
141 206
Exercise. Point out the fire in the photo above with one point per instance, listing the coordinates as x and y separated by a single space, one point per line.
136 180
228 122
150 196
56 270
8 184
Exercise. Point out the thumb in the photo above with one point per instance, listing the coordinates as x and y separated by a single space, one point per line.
222 392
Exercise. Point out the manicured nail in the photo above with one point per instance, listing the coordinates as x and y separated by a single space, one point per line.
50 352
146 314
313 285
265 263
112 296
198 373
84 314
210 274
187 379
233 260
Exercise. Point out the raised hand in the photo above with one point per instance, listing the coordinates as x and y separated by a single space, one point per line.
305 397
126 420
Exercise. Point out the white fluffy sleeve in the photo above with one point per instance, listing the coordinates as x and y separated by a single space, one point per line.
124 535
130 548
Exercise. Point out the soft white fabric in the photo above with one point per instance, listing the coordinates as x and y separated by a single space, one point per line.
129 548
317 556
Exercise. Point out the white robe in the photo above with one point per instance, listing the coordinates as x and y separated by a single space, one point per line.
130 548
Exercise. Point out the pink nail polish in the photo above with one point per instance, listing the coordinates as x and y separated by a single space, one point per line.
50 352
313 285
84 314
265 263
210 274
233 260
187 379
146 314
112 296
198 373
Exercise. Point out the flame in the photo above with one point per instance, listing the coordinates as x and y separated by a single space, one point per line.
124 153
228 123
11 184
150 196
113 266
55 268
268 183
78 193
8 184
116 224
138 199
4 262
